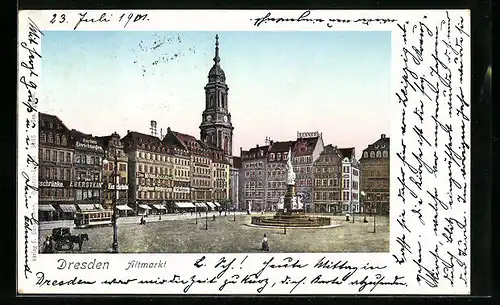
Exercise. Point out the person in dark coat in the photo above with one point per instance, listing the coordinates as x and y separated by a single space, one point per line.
265 244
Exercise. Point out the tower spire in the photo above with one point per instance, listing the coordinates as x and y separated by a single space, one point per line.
216 58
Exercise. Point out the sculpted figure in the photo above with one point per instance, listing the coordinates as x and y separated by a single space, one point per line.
289 168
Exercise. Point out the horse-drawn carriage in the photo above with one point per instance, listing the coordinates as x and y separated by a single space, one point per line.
63 237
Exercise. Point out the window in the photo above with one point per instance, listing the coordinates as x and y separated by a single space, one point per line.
54 156
122 167
365 154
345 169
379 154
43 138
345 196
64 140
372 154
385 154
58 140
50 138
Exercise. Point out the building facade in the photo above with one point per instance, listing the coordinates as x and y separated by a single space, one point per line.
327 181
276 174
88 178
307 149
56 152
181 172
220 177
350 181
237 180
253 163
150 175
115 186
201 182
216 127
375 176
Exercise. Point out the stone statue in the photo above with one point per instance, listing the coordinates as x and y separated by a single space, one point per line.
289 168
281 203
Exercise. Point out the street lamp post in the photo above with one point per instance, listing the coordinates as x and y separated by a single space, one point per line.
206 217
114 246
234 213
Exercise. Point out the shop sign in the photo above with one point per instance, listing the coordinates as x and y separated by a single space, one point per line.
180 189
89 144
111 186
85 184
54 184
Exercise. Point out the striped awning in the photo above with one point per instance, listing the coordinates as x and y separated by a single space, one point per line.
144 206
124 207
211 205
217 204
46 208
86 207
184 205
67 208
159 207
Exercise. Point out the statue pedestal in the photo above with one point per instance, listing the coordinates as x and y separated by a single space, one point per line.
288 208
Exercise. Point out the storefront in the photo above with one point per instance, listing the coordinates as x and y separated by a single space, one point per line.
46 212
124 210
66 211
144 210
158 209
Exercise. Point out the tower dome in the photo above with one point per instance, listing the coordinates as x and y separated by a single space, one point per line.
216 73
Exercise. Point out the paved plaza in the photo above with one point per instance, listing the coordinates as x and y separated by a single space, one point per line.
180 234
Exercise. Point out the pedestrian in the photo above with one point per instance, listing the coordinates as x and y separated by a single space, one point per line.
142 220
364 220
52 245
213 217
46 245
265 244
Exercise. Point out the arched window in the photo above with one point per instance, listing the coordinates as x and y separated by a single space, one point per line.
372 154
58 140
43 138
51 140
365 154
64 140
379 154
385 154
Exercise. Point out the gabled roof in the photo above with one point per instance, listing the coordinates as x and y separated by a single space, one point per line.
254 153
282 146
45 119
145 142
383 143
305 146
347 152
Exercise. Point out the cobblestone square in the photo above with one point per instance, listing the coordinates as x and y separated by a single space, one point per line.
174 234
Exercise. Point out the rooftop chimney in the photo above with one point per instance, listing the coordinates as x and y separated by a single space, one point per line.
382 136
128 131
257 145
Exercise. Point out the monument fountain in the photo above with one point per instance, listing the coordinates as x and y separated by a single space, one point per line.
290 208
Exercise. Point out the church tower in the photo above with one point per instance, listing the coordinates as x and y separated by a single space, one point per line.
216 127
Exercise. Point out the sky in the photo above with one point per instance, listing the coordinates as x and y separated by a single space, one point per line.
334 82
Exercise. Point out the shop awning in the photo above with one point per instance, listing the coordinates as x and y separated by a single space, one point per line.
184 205
98 206
124 207
67 208
145 207
159 207
86 207
202 205
217 204
211 205
46 208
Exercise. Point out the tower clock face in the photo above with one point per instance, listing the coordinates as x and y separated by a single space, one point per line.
225 118
209 118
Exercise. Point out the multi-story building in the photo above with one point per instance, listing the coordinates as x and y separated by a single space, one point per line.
55 195
182 168
350 181
327 181
276 174
306 150
201 164
375 170
150 173
220 177
253 163
115 186
237 181
87 183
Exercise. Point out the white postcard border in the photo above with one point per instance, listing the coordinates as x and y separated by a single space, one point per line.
401 267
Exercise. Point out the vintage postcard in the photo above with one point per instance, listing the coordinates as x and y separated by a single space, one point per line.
244 152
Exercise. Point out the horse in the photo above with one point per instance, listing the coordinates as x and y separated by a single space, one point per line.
78 239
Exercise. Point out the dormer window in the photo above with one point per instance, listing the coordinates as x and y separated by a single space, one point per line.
58 140
372 154
278 157
379 154
271 158
385 154
51 140
43 138
365 154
